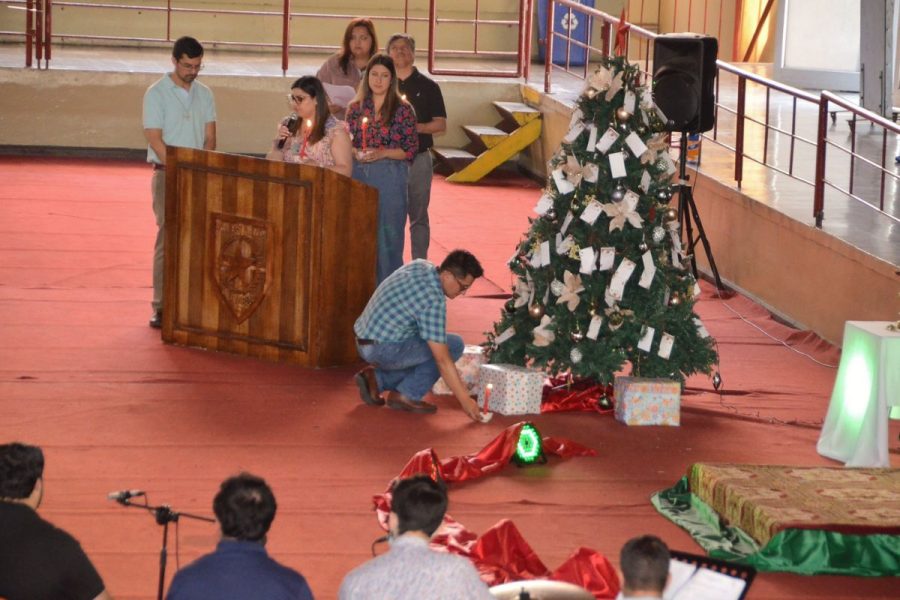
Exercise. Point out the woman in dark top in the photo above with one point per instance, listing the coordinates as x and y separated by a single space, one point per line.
383 128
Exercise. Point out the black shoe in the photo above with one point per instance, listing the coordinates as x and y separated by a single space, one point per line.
368 387
156 320
398 401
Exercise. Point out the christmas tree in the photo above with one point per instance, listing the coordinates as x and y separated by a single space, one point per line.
600 277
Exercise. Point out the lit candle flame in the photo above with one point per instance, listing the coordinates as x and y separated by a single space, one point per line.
403 97
309 123
365 121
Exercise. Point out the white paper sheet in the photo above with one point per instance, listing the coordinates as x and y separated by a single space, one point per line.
566 222
562 184
339 94
607 258
646 340
635 144
617 165
665 345
609 138
649 273
594 328
588 260
591 212
544 204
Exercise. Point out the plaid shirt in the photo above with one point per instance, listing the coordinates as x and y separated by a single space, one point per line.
409 303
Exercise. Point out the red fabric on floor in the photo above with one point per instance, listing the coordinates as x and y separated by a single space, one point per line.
83 376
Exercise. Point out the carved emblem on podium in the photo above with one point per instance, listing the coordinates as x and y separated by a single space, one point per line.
241 255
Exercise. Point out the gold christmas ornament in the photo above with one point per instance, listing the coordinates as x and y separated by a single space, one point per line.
671 214
675 300
622 115
536 311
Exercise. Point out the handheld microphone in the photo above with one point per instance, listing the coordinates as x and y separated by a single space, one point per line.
124 495
292 123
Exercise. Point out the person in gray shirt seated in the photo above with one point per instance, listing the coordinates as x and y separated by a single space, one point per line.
411 570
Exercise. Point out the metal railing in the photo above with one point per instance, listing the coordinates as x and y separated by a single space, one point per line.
39 35
742 115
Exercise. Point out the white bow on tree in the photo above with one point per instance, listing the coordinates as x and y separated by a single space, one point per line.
622 211
573 287
543 335
573 170
523 293
655 145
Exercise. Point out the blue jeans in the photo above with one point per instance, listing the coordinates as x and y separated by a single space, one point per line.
408 367
390 178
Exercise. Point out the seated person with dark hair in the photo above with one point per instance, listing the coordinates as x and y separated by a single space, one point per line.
645 567
411 570
37 560
402 334
240 567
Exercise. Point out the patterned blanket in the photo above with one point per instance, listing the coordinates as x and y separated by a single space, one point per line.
763 499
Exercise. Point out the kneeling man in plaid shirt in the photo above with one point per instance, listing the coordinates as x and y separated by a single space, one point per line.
402 334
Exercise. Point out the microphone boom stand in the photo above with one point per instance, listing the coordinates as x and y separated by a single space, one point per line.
164 515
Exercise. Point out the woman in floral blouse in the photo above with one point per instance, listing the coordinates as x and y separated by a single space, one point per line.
319 138
383 127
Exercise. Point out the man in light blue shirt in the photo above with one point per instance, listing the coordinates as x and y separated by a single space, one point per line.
411 570
178 111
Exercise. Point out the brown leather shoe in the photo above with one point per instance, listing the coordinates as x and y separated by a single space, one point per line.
398 401
368 387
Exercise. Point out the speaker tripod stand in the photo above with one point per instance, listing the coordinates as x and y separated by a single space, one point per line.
688 215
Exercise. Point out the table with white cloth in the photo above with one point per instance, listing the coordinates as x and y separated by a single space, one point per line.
866 393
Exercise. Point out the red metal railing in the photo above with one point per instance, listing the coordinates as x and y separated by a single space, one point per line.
742 114
856 159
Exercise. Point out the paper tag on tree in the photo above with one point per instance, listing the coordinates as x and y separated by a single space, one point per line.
594 328
609 138
574 132
617 165
562 184
545 254
505 335
629 101
670 166
588 260
544 204
646 338
590 172
620 278
607 258
591 212
609 298
566 222
645 181
649 270
635 144
592 139
701 329
665 345
536 260
577 116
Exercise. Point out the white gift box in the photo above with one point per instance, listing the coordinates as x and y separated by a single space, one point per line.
467 366
514 390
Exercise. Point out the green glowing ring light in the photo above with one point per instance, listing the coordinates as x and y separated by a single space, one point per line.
530 448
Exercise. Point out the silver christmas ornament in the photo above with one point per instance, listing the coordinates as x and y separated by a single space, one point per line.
618 194
643 246
576 355
557 287
659 234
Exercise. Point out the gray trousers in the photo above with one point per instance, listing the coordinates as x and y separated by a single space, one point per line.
419 194
158 188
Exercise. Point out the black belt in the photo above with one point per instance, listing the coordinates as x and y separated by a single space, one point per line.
364 342
159 167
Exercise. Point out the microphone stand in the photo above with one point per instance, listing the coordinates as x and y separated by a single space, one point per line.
164 515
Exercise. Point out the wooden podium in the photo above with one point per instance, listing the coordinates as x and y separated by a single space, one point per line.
266 259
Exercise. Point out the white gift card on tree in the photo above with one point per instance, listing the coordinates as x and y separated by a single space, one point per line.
607 258
574 132
505 335
701 329
609 138
646 338
564 243
592 139
590 172
594 328
645 181
545 254
649 270
536 260
665 345
562 184
566 222
609 298
617 165
588 260
591 212
577 116
544 204
628 103
635 144
670 165
621 277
